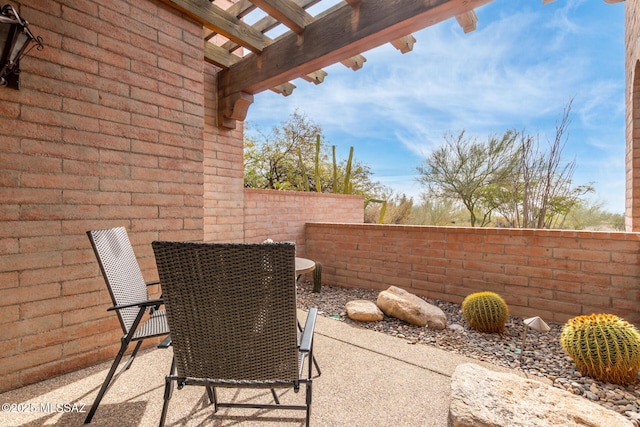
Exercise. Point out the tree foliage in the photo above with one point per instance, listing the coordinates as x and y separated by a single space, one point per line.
466 169
290 158
439 212
271 161
591 215
390 208
540 193
512 176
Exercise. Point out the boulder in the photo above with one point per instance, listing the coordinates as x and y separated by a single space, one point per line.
363 311
398 303
480 398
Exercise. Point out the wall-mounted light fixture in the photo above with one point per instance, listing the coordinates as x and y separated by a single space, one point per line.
16 40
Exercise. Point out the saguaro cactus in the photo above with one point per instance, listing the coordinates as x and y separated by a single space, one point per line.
346 189
317 277
317 166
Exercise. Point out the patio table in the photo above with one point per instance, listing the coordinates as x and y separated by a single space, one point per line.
304 265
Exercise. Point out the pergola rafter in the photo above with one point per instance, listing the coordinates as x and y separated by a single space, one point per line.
252 62
222 22
286 11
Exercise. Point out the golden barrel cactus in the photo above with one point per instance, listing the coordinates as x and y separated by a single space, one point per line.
603 346
485 311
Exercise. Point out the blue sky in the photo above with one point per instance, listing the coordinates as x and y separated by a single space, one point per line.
517 70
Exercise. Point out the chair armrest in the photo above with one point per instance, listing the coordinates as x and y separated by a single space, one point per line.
149 303
155 282
307 335
165 343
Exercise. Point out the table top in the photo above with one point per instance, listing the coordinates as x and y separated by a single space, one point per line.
304 265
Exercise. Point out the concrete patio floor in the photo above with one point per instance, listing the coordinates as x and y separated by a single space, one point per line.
368 379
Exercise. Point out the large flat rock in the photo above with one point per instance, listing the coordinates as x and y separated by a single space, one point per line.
484 398
398 303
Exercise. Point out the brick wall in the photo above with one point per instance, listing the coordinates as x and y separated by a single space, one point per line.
547 273
282 215
223 174
107 130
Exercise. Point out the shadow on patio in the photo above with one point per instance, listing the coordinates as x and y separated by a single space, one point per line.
368 378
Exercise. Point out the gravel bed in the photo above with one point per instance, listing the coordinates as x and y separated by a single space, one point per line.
543 355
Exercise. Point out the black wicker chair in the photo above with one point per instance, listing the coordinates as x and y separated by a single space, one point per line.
130 298
231 310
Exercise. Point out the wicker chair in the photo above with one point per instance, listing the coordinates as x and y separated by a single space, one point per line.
231 310
130 298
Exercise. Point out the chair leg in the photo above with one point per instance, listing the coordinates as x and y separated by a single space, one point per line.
215 399
275 396
133 356
107 382
315 363
308 401
168 391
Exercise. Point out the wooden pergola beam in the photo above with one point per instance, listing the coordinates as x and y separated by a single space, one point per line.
404 44
344 32
316 77
286 11
241 8
218 56
221 56
355 62
284 89
222 22
468 21
265 24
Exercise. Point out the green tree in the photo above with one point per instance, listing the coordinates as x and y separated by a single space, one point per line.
289 158
540 192
617 222
438 212
467 170
271 161
512 176
591 215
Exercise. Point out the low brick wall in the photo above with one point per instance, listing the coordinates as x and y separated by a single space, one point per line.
553 274
282 215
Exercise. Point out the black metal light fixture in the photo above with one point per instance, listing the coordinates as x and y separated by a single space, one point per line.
16 40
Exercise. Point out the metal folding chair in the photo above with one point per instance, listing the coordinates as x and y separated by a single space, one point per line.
130 298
